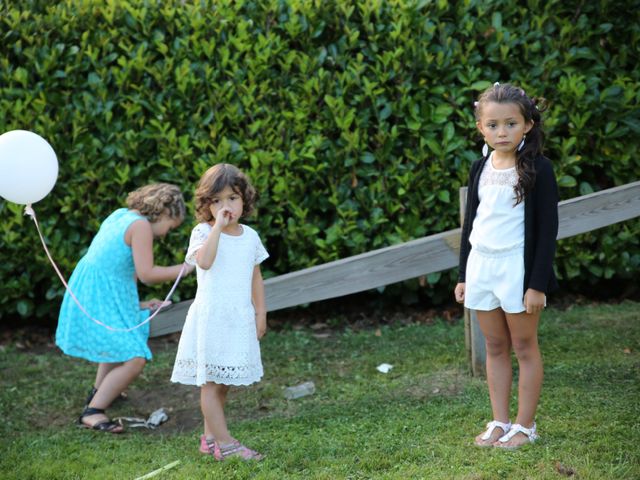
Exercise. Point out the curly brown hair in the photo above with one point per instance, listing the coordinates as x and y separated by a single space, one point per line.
157 200
216 179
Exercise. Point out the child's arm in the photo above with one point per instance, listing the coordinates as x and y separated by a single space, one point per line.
257 295
207 253
141 237
467 221
546 226
546 221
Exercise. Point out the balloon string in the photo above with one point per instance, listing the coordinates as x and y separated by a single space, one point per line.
29 211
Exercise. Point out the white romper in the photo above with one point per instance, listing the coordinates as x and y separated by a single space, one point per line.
495 267
219 340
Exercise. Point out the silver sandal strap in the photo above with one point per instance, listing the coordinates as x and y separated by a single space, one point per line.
491 426
516 428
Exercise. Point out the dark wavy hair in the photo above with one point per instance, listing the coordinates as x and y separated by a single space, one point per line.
156 200
531 109
214 180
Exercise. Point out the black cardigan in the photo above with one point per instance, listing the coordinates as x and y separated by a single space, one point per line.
540 226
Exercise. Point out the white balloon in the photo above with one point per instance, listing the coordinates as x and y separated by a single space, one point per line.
28 167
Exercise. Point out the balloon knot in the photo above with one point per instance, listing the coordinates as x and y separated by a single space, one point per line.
29 211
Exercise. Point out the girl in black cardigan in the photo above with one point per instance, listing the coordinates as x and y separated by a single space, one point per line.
506 254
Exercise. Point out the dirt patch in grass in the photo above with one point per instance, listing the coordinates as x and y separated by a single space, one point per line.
181 402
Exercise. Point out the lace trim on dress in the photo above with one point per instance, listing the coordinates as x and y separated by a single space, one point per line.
189 369
499 178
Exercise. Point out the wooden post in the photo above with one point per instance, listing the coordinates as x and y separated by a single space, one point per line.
474 339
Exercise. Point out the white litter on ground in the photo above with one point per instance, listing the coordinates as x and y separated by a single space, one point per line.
384 368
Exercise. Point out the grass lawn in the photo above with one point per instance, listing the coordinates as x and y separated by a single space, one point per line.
417 421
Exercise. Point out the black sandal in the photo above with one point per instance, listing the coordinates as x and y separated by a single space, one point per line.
108 426
92 394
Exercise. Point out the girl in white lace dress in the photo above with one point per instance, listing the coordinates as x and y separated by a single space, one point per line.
219 345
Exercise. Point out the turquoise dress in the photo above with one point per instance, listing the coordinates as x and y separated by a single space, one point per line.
105 285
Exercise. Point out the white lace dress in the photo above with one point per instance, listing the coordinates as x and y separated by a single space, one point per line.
219 341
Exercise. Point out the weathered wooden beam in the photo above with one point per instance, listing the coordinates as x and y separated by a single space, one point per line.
600 209
414 258
170 319
343 277
365 271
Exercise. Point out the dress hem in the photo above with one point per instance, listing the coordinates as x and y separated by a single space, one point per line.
219 381
73 353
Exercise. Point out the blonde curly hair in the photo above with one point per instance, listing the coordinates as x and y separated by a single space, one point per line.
157 200
214 180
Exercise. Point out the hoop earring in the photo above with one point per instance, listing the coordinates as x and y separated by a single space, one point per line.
485 150
521 145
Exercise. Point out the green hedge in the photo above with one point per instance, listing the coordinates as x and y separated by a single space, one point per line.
354 119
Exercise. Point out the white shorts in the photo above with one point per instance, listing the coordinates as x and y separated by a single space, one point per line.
495 279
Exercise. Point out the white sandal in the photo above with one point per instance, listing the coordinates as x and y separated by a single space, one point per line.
491 426
516 428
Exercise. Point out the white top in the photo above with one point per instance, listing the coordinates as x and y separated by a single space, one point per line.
232 270
499 223
219 340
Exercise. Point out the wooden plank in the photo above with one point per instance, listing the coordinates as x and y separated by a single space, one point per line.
170 319
343 277
413 259
599 209
365 271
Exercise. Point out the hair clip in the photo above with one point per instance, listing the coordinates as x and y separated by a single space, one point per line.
497 84
475 104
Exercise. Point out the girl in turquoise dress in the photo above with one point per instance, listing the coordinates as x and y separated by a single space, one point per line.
104 282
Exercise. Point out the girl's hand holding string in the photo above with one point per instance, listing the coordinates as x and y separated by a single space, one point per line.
459 292
188 268
154 304
534 300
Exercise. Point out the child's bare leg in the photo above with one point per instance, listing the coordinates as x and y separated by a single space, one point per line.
499 372
212 399
103 370
524 337
112 384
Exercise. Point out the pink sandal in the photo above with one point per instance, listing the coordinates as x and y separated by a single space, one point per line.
235 449
206 447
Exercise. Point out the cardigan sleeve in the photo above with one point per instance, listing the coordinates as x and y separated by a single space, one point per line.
546 226
469 214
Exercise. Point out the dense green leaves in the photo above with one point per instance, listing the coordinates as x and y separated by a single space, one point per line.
354 119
